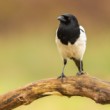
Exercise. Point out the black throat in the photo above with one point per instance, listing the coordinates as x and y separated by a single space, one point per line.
68 34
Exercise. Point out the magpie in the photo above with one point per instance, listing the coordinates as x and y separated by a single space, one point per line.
71 41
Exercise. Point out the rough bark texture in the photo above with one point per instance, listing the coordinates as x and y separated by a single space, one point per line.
83 85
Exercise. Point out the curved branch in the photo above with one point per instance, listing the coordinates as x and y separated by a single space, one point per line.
83 85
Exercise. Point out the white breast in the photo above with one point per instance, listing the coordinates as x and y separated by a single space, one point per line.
75 50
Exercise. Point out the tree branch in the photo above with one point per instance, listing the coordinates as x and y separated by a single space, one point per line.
83 85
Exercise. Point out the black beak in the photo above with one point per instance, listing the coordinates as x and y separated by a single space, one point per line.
61 18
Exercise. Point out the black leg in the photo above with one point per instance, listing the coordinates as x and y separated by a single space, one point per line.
62 74
79 65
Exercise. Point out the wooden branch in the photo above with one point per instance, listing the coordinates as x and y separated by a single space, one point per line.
83 85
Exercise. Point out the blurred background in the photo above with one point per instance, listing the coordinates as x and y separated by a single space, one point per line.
28 51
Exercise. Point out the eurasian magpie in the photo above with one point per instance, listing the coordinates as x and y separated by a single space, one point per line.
71 41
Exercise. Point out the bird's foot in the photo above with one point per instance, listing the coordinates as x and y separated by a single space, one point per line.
61 77
80 73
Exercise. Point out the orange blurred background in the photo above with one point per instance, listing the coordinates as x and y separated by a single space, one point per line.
37 15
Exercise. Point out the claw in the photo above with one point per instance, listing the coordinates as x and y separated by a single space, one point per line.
80 73
61 77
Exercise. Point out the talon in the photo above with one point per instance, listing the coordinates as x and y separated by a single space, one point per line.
80 73
61 77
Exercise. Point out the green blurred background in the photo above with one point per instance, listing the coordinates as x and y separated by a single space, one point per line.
28 51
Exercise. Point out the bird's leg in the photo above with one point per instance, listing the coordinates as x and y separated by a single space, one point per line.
79 64
62 74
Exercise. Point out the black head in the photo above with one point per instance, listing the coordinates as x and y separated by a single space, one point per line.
68 30
67 19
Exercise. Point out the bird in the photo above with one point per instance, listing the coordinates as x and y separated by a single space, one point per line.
71 41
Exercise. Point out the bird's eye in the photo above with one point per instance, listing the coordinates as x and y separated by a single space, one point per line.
66 17
69 18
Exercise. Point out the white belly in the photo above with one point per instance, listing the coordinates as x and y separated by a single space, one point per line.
75 50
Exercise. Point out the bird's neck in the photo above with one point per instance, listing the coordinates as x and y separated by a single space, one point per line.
68 34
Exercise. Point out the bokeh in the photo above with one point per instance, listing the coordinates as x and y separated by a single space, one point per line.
28 51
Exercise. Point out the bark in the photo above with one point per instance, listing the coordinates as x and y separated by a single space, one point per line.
83 85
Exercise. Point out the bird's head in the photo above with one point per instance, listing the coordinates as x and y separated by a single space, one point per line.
68 19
